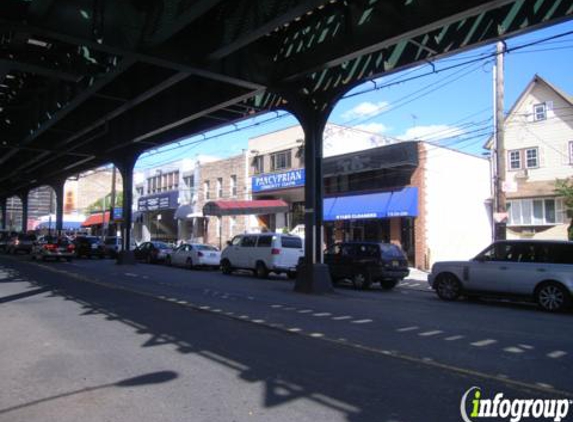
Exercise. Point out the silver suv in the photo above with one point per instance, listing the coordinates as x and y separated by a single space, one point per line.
538 270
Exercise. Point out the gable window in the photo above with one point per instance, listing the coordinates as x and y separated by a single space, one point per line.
523 159
514 160
539 112
281 160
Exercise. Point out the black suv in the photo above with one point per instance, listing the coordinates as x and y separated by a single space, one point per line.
89 246
367 262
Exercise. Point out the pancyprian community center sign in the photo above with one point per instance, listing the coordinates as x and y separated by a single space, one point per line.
275 181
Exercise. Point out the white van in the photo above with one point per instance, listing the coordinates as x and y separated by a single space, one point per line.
263 253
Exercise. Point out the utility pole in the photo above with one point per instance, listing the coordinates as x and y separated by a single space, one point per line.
112 205
498 166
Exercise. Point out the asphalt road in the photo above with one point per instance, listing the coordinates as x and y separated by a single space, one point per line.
94 341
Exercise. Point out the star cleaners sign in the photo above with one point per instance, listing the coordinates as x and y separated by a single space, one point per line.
275 181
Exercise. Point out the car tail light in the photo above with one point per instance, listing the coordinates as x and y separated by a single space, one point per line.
71 248
199 254
275 251
50 247
16 242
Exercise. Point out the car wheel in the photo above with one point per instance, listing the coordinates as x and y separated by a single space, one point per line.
291 275
388 284
360 281
168 261
261 270
552 297
149 260
189 263
226 267
448 286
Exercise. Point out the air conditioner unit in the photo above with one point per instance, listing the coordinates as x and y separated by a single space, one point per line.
522 174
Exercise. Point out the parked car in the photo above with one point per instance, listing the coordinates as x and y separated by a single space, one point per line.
5 237
53 247
538 270
367 262
192 255
152 252
22 242
263 253
89 246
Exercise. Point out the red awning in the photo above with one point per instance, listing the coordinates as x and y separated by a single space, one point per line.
254 207
96 219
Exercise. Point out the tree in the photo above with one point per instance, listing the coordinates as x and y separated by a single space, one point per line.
564 189
97 206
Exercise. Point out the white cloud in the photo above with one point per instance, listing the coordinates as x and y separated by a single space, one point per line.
339 140
373 127
431 133
365 109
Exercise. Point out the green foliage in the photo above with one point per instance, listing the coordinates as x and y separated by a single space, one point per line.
99 204
564 189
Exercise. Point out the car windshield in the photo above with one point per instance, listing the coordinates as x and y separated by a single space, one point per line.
160 245
206 248
391 251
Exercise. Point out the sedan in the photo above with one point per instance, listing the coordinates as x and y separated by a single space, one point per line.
152 252
54 248
193 255
536 270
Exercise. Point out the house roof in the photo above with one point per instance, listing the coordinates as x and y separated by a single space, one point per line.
534 81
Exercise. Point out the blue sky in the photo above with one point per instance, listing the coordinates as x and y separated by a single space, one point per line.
450 107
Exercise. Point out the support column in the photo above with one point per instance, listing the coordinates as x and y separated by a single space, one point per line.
59 190
24 199
314 277
4 211
125 167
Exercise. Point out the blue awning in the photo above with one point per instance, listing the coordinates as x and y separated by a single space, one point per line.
66 225
399 203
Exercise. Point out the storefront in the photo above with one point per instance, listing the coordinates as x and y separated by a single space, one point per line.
156 217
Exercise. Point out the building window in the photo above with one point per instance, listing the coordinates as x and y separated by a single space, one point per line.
570 152
219 187
258 164
189 182
514 160
281 160
206 189
233 185
527 158
232 224
539 112
531 160
536 212
139 191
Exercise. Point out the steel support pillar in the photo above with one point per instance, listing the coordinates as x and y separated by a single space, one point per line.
125 167
24 199
313 276
4 211
59 190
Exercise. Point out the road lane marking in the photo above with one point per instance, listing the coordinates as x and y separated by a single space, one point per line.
321 314
513 350
453 338
430 333
304 311
556 354
526 346
405 329
483 343
341 318
362 321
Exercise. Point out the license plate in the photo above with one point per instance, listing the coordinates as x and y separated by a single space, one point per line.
395 263
60 250
94 246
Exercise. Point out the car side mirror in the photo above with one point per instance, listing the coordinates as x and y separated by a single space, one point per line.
228 243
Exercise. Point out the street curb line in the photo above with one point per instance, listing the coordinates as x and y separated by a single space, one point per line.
521 385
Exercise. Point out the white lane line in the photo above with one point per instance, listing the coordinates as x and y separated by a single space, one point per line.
362 321
340 318
453 338
513 350
556 354
321 314
526 346
304 311
403 330
276 306
483 343
317 335
414 285
430 333
290 308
